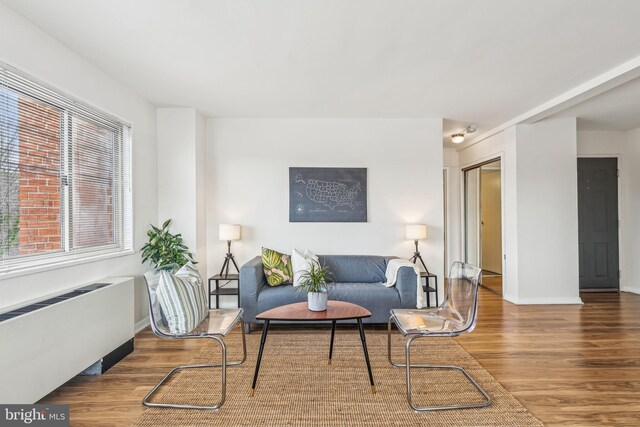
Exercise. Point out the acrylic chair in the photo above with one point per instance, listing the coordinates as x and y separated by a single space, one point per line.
456 315
215 326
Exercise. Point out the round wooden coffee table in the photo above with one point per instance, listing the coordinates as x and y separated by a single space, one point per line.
299 312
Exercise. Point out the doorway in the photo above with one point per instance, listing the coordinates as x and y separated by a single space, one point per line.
598 224
483 221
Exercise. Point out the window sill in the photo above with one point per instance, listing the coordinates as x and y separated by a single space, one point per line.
59 263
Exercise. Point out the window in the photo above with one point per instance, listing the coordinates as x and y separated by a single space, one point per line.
65 185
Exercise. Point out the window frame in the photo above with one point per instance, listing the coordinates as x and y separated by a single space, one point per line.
122 206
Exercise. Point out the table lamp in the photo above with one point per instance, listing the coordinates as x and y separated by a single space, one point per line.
228 232
416 232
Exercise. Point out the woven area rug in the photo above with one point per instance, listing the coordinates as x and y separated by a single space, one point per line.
296 387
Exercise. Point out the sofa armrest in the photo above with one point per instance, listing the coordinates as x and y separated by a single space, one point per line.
406 286
252 279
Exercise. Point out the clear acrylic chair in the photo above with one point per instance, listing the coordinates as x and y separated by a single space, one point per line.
456 315
215 326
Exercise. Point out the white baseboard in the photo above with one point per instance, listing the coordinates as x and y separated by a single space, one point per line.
632 290
141 325
510 298
548 300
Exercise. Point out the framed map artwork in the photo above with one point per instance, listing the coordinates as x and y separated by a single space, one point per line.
327 194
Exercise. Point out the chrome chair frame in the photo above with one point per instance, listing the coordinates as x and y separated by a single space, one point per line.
413 336
223 365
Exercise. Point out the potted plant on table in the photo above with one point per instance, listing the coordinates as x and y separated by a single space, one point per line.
316 281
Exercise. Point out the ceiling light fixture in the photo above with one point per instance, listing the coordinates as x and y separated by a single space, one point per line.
458 138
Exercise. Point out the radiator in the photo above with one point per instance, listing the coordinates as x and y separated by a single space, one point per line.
45 344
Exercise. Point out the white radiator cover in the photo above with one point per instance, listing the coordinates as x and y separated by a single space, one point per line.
43 349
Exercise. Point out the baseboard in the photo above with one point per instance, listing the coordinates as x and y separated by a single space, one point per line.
632 290
548 301
141 325
510 298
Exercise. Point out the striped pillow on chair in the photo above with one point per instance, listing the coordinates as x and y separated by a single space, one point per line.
183 299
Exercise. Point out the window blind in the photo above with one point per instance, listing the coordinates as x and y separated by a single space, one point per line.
65 176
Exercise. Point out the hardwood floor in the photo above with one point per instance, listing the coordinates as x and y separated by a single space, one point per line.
493 283
568 365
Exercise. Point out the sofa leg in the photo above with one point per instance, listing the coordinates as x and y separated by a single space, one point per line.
247 327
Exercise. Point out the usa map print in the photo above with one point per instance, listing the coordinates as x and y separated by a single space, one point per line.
327 194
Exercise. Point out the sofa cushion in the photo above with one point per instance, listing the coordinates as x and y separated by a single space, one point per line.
301 263
356 268
372 296
277 267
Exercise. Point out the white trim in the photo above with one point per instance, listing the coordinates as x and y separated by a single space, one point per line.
631 290
548 300
58 263
508 297
605 81
141 324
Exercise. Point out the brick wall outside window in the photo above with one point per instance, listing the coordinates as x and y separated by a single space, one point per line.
39 177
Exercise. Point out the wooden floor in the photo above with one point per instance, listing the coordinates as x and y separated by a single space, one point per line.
493 283
569 365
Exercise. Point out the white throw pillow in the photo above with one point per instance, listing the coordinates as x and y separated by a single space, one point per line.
301 263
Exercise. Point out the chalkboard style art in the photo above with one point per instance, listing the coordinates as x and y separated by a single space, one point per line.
327 195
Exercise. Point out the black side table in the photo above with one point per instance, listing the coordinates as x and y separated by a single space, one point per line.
427 288
223 290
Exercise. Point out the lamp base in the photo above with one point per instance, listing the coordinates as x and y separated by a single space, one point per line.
416 257
228 260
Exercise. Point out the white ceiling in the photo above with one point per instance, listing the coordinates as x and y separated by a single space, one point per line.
617 109
469 61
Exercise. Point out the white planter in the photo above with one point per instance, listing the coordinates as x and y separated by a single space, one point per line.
317 301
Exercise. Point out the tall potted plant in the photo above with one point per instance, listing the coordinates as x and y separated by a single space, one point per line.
164 248
316 281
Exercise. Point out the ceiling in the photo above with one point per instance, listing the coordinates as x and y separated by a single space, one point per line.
469 61
617 109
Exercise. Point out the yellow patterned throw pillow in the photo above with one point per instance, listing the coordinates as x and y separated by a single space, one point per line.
277 267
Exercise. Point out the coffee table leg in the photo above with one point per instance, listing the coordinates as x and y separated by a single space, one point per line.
366 355
333 333
263 339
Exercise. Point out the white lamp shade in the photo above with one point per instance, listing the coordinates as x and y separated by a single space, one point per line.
229 232
415 231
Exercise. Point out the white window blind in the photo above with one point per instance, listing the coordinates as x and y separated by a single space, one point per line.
65 177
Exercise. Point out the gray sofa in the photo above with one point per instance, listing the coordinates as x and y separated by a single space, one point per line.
358 279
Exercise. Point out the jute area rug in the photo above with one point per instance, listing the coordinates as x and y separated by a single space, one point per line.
297 387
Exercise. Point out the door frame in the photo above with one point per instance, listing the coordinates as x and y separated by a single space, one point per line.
506 287
621 253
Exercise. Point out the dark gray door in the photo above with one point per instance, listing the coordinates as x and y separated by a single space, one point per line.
598 223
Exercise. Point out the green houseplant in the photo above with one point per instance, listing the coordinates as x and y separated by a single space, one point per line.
316 281
164 248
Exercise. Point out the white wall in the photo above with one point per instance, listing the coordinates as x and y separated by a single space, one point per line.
547 212
540 216
453 199
631 224
247 167
24 46
181 177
